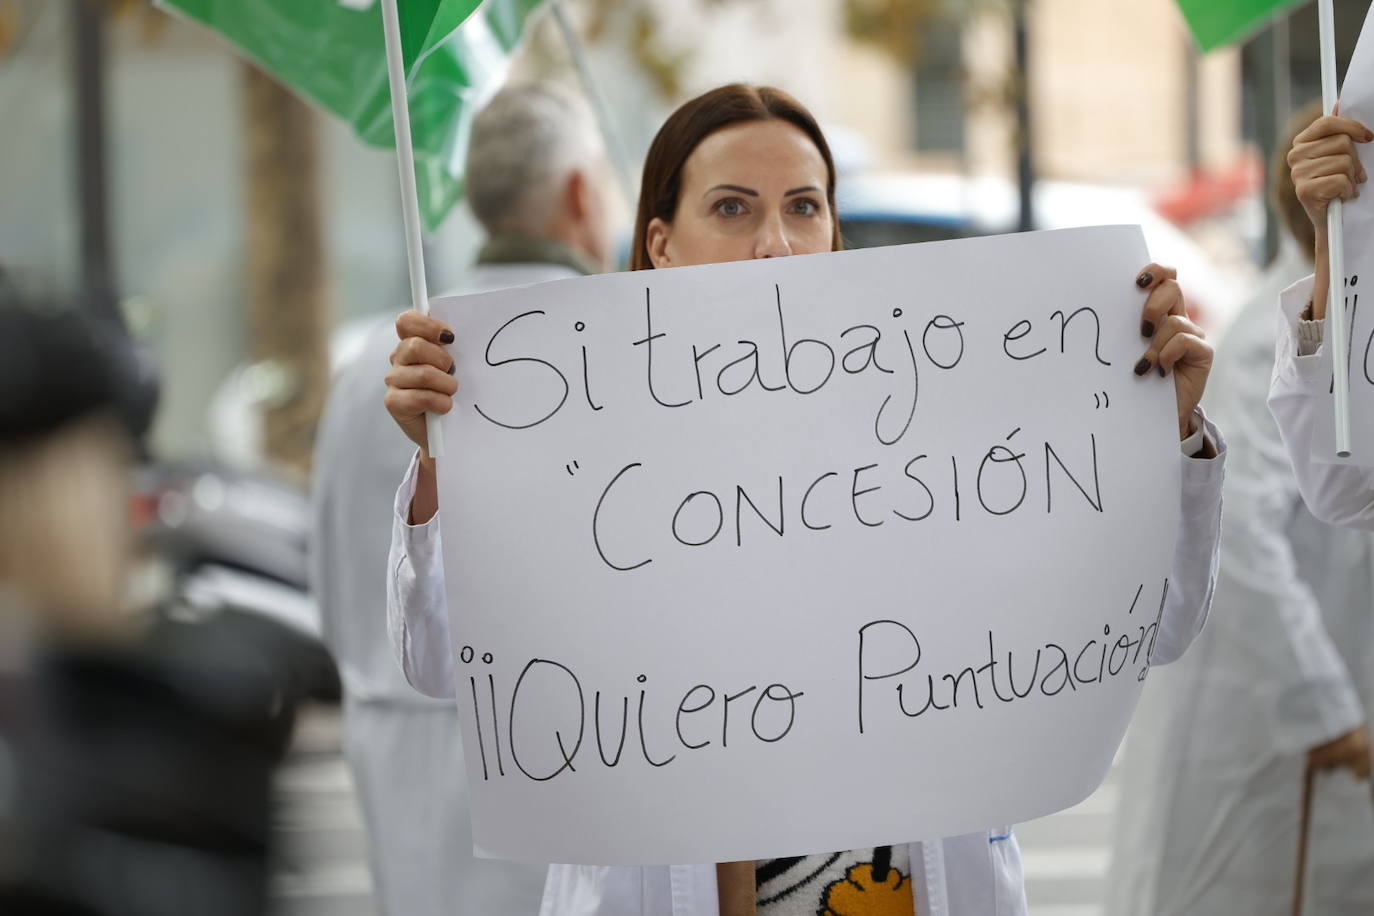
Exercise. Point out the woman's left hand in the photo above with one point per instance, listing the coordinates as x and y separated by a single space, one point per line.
1177 345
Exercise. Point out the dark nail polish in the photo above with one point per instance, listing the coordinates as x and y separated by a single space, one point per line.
1144 279
1143 366
445 337
1147 329
450 370
1161 371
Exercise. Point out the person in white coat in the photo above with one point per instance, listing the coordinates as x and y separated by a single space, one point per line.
536 182
1325 167
1212 778
744 172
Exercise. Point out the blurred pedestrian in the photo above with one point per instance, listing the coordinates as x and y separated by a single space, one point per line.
135 759
537 182
1325 166
64 490
1212 779
739 173
65 465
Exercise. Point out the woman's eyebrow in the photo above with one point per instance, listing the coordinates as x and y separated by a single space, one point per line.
732 187
812 188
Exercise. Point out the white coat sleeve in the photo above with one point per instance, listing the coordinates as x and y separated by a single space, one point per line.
1338 494
1194 574
416 607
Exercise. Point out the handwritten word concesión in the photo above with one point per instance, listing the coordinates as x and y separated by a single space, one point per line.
1001 481
678 374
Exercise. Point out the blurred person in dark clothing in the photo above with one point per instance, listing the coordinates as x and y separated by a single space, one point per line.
135 763
64 475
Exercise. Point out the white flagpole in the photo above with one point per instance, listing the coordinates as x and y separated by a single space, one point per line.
410 205
1337 331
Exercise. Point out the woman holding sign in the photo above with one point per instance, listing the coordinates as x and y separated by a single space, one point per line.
1325 163
736 174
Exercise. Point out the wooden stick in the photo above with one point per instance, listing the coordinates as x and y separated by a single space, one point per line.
1304 828
736 888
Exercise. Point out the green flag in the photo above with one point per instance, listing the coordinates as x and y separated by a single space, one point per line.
1223 22
333 53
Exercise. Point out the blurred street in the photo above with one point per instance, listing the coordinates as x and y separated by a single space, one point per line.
322 866
321 842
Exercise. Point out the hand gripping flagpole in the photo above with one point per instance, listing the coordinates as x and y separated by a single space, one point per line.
1337 330
410 205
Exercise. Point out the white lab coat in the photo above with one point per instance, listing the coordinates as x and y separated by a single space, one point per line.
1211 781
976 874
1336 493
404 749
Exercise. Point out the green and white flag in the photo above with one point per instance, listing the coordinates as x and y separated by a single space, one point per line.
333 53
1215 23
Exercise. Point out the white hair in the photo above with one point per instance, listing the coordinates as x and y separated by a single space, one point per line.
524 145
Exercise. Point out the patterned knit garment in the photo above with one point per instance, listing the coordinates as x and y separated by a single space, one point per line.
861 882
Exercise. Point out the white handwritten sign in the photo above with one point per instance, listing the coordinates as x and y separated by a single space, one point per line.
780 557
1357 101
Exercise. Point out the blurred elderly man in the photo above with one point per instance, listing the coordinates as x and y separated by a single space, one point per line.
535 181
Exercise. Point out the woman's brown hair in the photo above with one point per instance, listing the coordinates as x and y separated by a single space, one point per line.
696 120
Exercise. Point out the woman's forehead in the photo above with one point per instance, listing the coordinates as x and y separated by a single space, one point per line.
764 153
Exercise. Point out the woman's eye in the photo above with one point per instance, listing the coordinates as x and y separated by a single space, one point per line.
730 206
805 207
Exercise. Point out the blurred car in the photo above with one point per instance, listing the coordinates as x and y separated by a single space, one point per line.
237 541
898 208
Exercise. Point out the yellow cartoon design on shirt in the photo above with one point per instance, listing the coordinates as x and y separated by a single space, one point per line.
870 889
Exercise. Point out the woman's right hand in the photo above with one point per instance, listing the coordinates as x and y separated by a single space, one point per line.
1325 164
421 377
